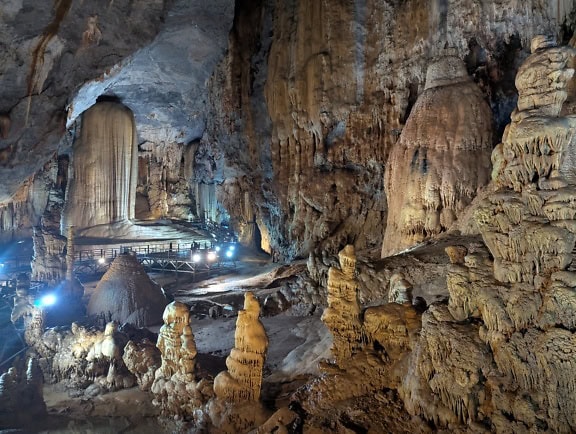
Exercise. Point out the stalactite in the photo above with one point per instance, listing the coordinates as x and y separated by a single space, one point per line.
102 189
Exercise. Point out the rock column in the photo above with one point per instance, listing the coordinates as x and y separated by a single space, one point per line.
102 188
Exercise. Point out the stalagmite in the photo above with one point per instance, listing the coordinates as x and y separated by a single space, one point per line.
126 294
502 352
371 345
176 342
243 379
441 158
21 396
342 316
175 390
102 188
400 290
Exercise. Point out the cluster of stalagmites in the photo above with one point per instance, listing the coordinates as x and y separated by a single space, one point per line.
21 389
369 344
91 362
500 356
231 402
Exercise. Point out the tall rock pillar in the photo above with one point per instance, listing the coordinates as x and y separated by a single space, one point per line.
102 188
440 159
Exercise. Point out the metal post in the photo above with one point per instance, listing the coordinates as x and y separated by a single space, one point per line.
70 253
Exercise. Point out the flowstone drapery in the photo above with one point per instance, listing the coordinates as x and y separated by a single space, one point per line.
102 188
441 158
501 355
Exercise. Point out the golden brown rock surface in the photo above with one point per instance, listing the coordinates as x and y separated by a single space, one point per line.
243 379
499 356
312 97
441 158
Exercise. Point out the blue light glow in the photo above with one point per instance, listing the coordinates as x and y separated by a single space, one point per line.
46 300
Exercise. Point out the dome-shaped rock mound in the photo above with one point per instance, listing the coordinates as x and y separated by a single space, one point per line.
126 294
440 160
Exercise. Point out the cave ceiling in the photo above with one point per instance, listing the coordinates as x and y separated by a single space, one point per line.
57 58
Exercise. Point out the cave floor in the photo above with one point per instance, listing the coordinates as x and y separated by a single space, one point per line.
298 341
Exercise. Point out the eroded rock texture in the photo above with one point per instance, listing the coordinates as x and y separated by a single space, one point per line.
342 316
25 208
441 158
312 96
102 186
175 389
126 294
164 174
49 50
370 348
499 356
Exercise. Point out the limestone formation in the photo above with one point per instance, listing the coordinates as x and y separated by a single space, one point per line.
175 390
371 345
164 174
142 359
400 290
176 342
441 158
500 355
126 294
21 396
92 35
243 379
102 187
342 316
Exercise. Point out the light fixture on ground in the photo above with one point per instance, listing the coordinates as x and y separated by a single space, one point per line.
46 300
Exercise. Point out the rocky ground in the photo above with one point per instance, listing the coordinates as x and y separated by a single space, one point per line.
298 342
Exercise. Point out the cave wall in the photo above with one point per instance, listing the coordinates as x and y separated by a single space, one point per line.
312 95
164 174
47 51
25 208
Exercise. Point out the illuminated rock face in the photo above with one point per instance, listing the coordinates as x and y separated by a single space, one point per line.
511 368
126 294
102 187
441 158
243 379
369 345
